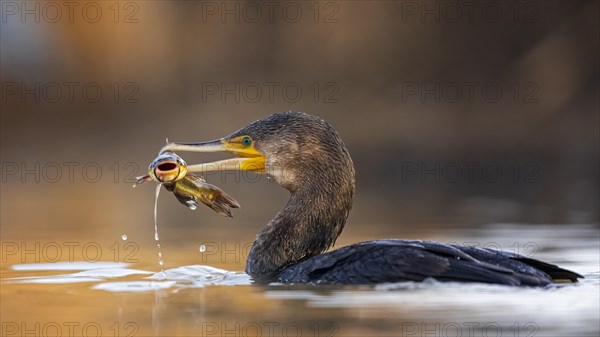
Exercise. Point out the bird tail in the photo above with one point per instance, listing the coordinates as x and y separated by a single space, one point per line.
558 275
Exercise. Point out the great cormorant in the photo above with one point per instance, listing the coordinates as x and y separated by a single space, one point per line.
306 156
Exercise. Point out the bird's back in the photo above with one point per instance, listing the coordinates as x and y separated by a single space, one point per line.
383 261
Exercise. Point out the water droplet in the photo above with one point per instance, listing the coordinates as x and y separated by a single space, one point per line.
192 207
202 248
160 261
124 237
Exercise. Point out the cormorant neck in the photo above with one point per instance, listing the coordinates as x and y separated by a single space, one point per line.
309 224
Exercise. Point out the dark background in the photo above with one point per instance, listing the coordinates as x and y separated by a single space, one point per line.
392 77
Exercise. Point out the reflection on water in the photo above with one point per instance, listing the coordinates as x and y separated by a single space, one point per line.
118 299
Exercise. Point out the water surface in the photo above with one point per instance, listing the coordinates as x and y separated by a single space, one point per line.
215 299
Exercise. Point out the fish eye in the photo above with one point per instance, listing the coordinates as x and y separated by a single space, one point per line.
246 141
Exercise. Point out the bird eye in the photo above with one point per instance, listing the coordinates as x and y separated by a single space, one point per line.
246 141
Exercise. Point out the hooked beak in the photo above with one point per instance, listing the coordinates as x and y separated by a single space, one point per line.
249 159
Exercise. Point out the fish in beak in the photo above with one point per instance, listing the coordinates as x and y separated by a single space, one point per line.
172 172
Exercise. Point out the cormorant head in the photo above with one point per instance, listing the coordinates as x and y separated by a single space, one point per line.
295 148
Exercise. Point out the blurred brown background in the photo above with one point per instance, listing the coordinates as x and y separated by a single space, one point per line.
420 91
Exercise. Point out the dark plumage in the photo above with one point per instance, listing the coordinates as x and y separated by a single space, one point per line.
306 156
402 260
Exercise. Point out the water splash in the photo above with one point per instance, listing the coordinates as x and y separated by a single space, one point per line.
76 265
194 276
90 272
